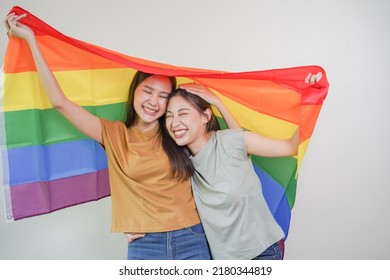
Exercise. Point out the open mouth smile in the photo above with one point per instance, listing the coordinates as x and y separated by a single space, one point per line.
180 133
150 111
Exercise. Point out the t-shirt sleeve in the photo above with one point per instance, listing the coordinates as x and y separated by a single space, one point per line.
232 142
111 131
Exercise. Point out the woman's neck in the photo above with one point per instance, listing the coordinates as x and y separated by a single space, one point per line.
144 126
196 146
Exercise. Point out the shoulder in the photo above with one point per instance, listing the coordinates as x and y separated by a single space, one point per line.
232 142
230 131
230 135
112 129
112 125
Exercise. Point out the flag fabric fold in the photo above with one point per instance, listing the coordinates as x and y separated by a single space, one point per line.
47 164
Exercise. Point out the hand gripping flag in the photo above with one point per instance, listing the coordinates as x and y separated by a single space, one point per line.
47 164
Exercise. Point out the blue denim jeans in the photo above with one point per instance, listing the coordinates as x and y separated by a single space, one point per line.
273 252
183 244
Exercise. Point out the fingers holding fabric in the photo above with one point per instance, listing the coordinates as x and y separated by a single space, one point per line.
13 25
313 78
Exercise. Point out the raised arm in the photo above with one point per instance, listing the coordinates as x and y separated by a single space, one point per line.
77 115
260 145
211 98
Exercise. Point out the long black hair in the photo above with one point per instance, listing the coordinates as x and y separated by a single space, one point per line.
200 105
178 156
139 77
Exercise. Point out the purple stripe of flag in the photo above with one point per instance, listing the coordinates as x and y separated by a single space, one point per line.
37 198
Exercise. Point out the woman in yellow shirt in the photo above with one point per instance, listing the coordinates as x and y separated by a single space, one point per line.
150 189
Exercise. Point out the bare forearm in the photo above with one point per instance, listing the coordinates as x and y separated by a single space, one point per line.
260 145
77 115
49 82
283 148
213 99
227 116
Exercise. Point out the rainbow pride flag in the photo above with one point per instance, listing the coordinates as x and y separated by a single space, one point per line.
47 164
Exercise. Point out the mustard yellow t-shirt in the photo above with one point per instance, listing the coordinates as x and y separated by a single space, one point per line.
145 195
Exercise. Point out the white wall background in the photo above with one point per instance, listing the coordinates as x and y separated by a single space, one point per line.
343 200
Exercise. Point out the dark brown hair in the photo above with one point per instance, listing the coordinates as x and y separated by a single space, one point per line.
139 77
199 104
178 156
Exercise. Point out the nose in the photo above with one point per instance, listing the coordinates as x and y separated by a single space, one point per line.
175 121
153 100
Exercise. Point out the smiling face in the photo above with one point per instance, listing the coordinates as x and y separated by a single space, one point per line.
187 125
150 101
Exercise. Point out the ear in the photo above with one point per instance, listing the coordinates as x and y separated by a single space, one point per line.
207 115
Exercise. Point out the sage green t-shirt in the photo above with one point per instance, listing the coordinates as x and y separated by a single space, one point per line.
228 194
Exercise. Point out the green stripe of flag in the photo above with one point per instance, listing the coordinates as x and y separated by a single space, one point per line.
282 170
43 127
